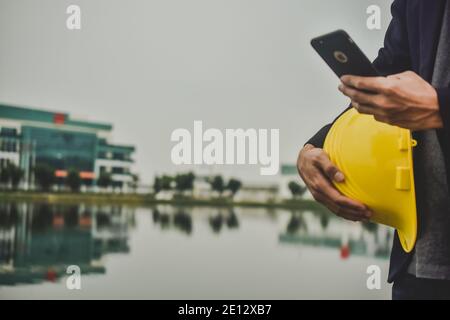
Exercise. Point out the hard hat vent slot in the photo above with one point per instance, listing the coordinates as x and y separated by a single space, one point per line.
403 178
402 144
405 141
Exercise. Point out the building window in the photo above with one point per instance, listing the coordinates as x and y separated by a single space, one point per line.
118 156
102 155
8 145
118 170
117 184
8 132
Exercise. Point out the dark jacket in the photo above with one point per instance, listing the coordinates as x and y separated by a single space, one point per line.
410 44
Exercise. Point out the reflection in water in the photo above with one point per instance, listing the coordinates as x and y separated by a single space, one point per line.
163 219
296 223
216 222
303 227
324 220
181 219
227 218
232 220
349 238
39 241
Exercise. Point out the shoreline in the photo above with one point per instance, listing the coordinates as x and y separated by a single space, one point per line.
150 200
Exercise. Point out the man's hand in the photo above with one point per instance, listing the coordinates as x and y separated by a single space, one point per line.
404 100
317 171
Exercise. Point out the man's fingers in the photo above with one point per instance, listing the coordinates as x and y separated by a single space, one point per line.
359 96
331 170
368 109
323 185
374 84
352 216
345 213
329 192
318 172
379 114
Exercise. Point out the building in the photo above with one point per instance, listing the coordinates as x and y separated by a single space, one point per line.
30 137
258 193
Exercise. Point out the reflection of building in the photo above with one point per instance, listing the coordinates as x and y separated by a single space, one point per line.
38 242
326 230
30 137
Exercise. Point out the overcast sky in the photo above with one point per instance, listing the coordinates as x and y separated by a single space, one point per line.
151 66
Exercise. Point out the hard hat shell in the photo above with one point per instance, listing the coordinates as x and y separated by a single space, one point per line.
377 162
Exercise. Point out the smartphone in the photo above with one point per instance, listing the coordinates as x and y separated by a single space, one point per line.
342 55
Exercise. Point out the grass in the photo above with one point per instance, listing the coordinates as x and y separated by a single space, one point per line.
149 200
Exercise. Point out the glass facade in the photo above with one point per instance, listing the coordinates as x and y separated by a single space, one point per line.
114 152
62 150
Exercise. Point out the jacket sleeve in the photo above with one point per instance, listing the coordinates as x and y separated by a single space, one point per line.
393 58
444 104
444 133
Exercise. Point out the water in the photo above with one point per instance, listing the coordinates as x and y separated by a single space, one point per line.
167 252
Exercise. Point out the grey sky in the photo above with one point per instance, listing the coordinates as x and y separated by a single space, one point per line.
151 66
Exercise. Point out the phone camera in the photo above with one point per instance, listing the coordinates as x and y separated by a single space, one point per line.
340 56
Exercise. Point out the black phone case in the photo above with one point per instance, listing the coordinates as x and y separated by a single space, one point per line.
342 55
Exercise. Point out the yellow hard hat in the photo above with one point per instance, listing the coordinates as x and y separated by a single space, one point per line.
377 162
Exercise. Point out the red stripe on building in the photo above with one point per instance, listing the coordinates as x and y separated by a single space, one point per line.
59 118
60 173
87 175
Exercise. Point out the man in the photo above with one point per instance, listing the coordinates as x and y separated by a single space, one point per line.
414 93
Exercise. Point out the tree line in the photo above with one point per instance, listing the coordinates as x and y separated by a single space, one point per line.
11 175
44 176
185 183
